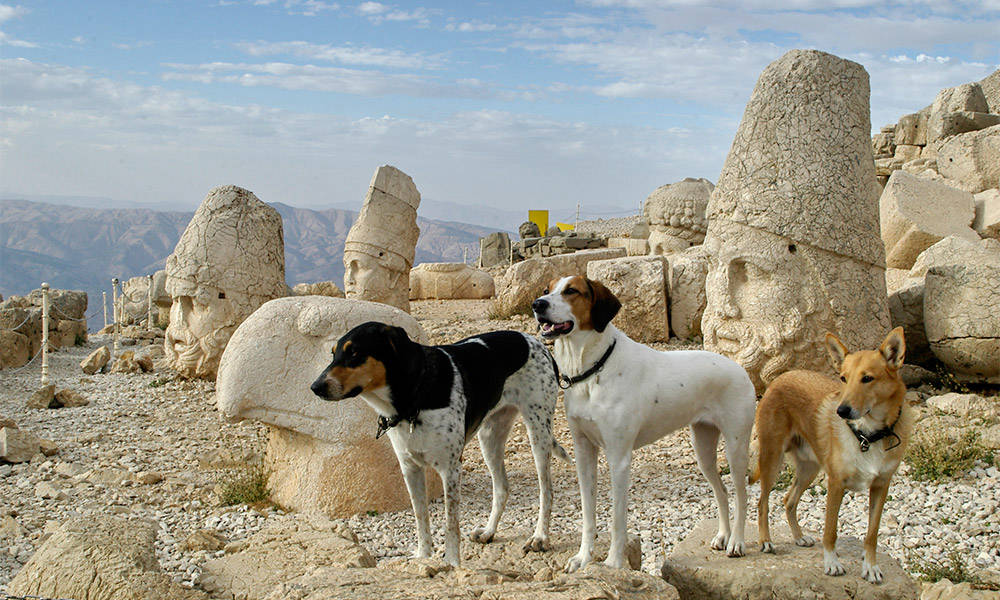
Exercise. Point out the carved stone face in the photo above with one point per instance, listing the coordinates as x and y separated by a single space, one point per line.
766 307
200 327
366 277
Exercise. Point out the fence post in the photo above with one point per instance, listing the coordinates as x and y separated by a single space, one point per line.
104 303
116 313
149 309
45 333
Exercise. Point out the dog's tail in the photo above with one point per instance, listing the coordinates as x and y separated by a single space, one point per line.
560 452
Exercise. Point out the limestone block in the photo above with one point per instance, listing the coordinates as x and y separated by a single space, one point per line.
700 573
688 271
793 224
323 455
229 261
99 558
967 97
962 313
70 333
446 281
906 310
895 279
134 300
380 246
916 213
972 158
525 281
906 152
494 249
633 246
987 221
883 144
64 304
17 446
320 288
991 91
911 129
676 215
640 230
15 349
950 249
69 399
956 123
25 321
640 283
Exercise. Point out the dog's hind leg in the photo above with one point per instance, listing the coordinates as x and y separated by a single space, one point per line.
492 439
769 462
413 474
540 434
805 473
705 438
451 477
737 448
619 455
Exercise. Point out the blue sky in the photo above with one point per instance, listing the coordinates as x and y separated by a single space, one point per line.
507 104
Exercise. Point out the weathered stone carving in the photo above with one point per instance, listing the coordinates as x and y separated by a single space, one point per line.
449 281
229 261
323 456
793 237
676 215
380 246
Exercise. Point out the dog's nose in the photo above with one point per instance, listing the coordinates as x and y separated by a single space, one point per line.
844 411
318 387
539 305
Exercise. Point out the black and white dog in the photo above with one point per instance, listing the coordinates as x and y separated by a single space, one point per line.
439 396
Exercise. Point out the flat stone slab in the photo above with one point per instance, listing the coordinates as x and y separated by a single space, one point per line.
792 572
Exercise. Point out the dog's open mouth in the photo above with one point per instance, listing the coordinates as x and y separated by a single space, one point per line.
550 329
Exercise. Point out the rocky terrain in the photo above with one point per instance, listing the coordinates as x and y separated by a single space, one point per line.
151 447
59 244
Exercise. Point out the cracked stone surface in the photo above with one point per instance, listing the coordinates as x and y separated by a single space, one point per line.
676 215
972 158
688 271
962 312
380 246
323 455
793 236
229 261
640 283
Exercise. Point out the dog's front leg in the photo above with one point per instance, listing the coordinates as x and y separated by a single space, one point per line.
413 474
620 465
452 483
586 472
834 497
876 501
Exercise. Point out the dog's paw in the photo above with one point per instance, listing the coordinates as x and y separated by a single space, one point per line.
805 541
767 548
481 535
614 562
536 544
719 542
734 549
577 562
870 572
422 553
831 565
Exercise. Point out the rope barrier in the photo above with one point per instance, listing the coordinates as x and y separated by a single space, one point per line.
27 364
66 317
26 319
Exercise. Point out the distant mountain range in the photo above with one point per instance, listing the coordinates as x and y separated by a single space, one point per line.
84 247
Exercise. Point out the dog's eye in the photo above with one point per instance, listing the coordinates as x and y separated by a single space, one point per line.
867 379
570 291
844 379
546 292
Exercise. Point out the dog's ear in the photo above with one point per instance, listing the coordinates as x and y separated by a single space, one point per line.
893 348
604 305
396 337
836 349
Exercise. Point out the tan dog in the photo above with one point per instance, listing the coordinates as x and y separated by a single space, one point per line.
857 431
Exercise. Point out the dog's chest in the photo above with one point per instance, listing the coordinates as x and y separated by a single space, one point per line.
860 469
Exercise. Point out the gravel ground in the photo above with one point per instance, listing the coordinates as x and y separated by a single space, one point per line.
143 424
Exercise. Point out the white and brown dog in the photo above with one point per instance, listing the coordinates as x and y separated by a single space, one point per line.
621 395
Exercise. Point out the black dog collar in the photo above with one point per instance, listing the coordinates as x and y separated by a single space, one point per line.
867 440
387 423
566 382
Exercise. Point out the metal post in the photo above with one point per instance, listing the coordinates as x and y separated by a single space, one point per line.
115 311
149 298
104 303
465 255
480 263
576 226
45 334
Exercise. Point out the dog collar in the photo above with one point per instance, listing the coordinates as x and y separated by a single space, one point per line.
867 440
565 382
387 423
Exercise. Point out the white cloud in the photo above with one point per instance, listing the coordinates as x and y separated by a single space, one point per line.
132 45
346 54
372 8
378 13
7 13
470 27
